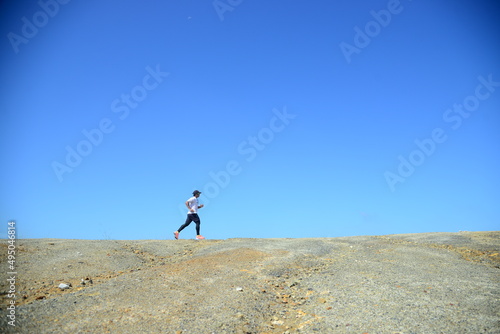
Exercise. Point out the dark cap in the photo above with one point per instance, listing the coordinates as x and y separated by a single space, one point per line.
196 192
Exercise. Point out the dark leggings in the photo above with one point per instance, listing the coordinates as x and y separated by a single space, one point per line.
191 217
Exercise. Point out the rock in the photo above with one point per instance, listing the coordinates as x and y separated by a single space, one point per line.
86 280
64 286
320 289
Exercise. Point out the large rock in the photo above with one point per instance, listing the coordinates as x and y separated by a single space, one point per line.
414 283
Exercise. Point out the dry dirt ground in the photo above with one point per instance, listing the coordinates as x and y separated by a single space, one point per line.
413 283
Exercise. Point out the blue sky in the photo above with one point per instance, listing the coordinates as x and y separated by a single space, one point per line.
294 118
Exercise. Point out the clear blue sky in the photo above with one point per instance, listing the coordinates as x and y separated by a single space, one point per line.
294 118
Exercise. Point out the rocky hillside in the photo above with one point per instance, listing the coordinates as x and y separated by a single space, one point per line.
414 283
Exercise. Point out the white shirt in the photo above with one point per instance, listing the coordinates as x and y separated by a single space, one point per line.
193 204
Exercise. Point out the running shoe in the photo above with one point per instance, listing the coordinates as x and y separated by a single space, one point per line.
200 237
176 235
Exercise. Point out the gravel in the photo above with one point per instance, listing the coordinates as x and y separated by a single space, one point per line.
413 283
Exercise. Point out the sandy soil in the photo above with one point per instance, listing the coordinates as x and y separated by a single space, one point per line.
413 283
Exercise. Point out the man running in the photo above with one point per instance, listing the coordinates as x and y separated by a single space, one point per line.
192 215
